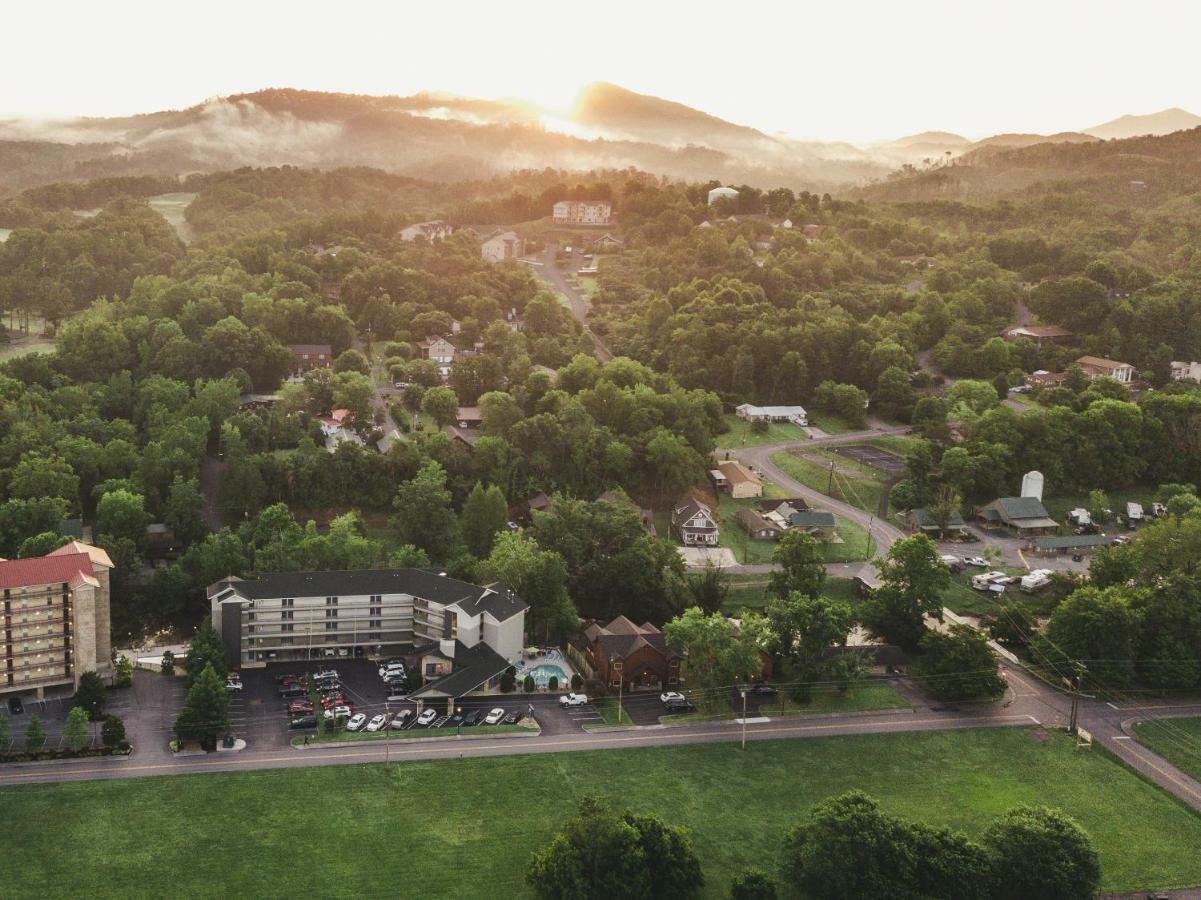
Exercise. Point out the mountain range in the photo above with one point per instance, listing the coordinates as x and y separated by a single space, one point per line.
447 137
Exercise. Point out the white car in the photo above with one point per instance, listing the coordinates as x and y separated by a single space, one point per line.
393 671
338 712
376 723
573 700
356 722
670 697
233 683
494 717
976 561
427 717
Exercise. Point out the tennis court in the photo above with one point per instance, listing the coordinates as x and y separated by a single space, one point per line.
883 460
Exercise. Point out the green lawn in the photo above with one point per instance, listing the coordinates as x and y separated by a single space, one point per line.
741 435
608 711
344 737
12 351
477 820
868 695
1176 740
855 544
754 596
828 422
852 483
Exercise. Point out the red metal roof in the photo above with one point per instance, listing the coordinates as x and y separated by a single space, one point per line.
16 573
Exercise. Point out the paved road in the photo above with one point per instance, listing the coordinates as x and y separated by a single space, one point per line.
579 304
377 401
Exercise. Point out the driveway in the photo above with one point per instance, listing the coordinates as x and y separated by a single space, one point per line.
579 304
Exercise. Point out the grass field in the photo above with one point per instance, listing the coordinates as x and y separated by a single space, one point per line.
475 821
852 483
350 737
754 596
741 435
1176 740
828 422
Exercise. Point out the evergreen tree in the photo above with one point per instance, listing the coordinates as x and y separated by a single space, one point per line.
76 729
206 650
205 715
484 515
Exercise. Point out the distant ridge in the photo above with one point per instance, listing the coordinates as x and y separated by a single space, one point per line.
1163 122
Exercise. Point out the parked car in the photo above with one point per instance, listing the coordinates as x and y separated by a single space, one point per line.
398 686
290 678
233 682
292 690
356 722
494 717
514 717
668 696
455 720
680 706
306 721
978 561
573 700
426 717
474 718
300 707
376 723
763 689
340 712
401 719
327 673
15 706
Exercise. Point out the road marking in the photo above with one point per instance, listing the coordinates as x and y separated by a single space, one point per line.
1122 737
1034 720
1111 705
585 741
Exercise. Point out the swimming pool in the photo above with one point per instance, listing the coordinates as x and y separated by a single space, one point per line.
543 672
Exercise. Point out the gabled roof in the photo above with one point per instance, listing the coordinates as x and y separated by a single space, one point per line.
736 473
311 349
811 518
689 508
1070 541
756 521
97 555
474 667
621 637
1014 508
1101 363
923 518
58 568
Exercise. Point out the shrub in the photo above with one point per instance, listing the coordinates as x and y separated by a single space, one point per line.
577 681
508 681
553 683
124 672
528 684
112 732
752 884
168 664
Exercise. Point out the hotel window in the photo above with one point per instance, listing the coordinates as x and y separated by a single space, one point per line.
375 623
250 617
331 626
287 628
288 601
331 614
287 614
285 642
250 630
331 601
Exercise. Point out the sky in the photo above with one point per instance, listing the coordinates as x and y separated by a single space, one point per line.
843 70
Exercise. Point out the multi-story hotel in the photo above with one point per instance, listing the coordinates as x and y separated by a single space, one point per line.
441 622
56 618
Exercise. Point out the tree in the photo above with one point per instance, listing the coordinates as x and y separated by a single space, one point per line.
538 577
41 544
803 628
35 736
912 579
124 672
1098 507
122 514
351 361
441 404
483 516
183 511
354 393
716 652
75 731
1041 854
423 514
802 566
527 684
38 475
959 665
167 667
596 855
205 651
710 588
894 396
848 850
205 715
90 695
112 732
508 680
752 884
1095 624
673 868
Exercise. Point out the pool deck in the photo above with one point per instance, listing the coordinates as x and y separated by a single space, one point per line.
555 659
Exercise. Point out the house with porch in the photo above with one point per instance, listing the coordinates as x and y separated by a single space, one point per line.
694 524
1021 515
736 479
636 657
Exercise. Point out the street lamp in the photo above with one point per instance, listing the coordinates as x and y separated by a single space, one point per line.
459 723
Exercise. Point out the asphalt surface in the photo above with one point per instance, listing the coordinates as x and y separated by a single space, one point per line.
579 304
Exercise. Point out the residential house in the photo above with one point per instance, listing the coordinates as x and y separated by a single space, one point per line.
632 656
608 241
1021 515
736 479
813 232
57 619
751 413
582 212
429 230
1044 379
310 356
439 623
693 523
759 526
437 348
816 523
922 519
1186 371
466 436
1039 334
1096 367
469 417
502 245
621 498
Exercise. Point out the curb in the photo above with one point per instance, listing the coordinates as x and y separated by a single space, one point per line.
404 742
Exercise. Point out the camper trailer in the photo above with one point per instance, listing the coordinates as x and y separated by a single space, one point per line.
1080 516
1134 514
993 582
1036 580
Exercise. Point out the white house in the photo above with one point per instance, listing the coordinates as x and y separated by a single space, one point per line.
751 413
438 348
721 193
1095 367
1186 371
694 523
582 212
428 230
501 246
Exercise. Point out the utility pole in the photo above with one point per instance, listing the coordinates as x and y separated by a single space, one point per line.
620 684
744 717
387 734
1074 685
830 481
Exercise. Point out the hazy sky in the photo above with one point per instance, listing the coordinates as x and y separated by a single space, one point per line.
845 69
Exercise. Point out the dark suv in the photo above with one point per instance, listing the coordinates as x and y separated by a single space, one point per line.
679 706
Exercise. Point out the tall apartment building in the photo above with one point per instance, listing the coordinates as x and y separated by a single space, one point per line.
582 212
291 616
56 618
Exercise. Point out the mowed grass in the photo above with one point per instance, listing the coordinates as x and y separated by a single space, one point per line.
473 823
742 435
1176 740
863 490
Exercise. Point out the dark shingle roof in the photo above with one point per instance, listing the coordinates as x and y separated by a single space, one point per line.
499 601
923 518
812 518
474 666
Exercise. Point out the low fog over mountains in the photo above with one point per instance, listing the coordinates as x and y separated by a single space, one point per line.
448 137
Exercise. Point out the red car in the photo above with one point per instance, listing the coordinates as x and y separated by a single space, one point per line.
299 709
